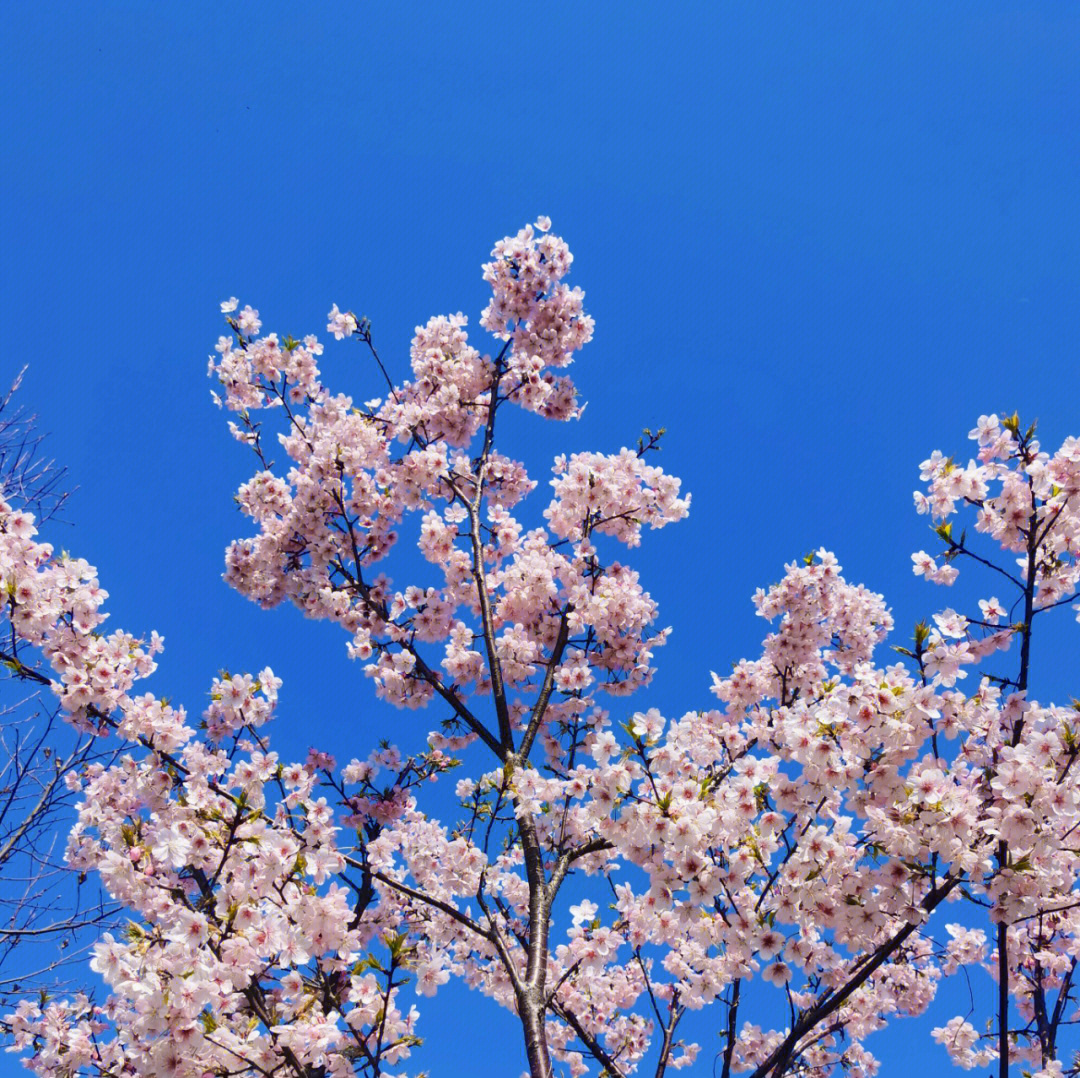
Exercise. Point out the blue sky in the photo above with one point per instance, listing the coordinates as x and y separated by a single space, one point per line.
818 241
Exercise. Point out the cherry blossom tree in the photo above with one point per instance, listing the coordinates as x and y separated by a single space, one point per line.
784 858
45 916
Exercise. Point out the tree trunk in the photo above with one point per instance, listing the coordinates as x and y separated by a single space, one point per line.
532 1020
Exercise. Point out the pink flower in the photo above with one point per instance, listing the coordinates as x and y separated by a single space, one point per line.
777 973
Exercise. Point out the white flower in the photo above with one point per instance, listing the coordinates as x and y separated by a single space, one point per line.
584 911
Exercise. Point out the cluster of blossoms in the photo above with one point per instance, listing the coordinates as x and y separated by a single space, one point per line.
54 604
781 858
1034 513
357 471
246 947
542 318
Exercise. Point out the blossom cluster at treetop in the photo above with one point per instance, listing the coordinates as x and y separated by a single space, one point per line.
807 858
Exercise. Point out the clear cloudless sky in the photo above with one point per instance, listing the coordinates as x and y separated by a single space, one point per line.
818 239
